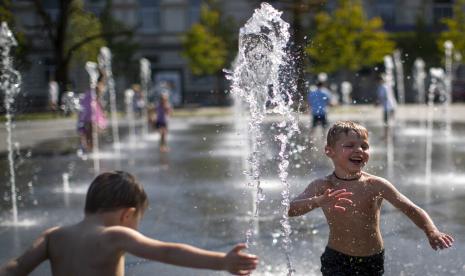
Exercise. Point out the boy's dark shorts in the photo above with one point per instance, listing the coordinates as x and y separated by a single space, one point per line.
319 119
335 263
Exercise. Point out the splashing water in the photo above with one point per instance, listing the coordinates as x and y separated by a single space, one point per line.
91 68
448 48
262 78
104 61
10 81
419 77
399 76
128 99
145 75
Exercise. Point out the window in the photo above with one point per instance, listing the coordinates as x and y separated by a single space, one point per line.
194 11
441 9
149 16
385 9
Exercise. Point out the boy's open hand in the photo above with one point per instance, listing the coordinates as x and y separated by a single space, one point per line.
439 240
332 198
240 263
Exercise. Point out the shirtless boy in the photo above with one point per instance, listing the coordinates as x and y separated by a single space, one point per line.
115 204
351 200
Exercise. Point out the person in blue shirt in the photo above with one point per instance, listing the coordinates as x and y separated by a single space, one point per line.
318 101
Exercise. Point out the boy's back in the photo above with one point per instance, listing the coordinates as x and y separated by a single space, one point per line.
115 204
84 249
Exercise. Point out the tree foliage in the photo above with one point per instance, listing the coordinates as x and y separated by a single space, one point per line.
20 52
346 40
83 24
74 34
208 45
455 28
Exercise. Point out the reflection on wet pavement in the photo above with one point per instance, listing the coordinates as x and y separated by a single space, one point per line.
198 195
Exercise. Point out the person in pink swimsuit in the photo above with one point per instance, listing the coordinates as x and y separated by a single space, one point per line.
87 119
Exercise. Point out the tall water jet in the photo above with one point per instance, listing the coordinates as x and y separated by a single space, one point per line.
145 77
448 48
399 76
419 77
104 61
10 81
390 83
260 79
128 99
437 75
92 70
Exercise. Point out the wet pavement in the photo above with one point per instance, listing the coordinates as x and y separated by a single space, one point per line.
198 194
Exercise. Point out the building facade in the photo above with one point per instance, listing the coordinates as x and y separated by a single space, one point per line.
160 25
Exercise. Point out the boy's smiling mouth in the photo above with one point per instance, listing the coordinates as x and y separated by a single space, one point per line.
356 160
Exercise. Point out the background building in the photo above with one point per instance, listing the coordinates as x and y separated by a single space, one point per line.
159 26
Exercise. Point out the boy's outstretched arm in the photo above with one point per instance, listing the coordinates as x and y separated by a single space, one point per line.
35 255
235 261
436 238
316 196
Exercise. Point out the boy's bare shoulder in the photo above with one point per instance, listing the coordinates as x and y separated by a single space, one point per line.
321 184
120 233
52 231
375 181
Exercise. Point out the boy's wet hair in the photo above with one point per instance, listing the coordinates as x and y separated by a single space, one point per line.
344 127
111 191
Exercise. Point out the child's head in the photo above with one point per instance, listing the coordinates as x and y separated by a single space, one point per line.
164 96
111 191
344 127
347 146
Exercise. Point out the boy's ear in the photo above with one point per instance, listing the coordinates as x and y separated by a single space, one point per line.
329 151
128 213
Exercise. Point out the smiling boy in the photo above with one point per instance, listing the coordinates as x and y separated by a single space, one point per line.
355 245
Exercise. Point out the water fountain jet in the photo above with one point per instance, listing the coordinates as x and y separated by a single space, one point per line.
10 81
260 79
104 62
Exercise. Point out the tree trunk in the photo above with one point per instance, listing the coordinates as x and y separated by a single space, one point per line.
62 68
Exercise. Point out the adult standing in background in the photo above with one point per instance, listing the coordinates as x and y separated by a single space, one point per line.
386 98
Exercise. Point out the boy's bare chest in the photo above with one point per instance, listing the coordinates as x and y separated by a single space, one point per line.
364 197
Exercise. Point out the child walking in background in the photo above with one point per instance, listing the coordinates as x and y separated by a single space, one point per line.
115 204
355 245
163 110
318 101
87 119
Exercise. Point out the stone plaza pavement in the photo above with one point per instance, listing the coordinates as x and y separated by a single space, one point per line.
56 134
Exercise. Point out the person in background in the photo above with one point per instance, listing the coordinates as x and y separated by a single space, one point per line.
87 119
162 111
318 101
386 98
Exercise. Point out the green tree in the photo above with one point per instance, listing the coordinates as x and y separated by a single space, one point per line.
21 51
455 28
75 35
209 46
83 24
345 40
